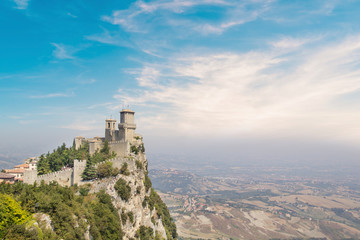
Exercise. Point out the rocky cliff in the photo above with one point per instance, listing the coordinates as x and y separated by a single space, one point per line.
119 204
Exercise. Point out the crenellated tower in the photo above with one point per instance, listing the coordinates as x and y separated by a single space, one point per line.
127 125
110 130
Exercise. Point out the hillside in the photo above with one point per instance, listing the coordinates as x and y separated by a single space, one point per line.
118 204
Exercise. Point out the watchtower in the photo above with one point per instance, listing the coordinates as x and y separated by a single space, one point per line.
127 126
110 130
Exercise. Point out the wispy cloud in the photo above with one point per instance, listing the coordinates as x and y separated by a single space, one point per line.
166 12
21 4
292 43
52 95
71 15
62 52
258 92
107 38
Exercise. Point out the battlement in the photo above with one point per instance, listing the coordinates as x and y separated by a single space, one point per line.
117 138
65 177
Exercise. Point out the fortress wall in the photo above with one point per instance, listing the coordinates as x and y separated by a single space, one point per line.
93 146
63 178
120 148
119 161
79 167
30 176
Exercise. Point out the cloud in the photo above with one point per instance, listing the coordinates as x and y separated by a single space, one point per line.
107 38
62 52
21 4
291 43
71 15
257 93
52 95
170 13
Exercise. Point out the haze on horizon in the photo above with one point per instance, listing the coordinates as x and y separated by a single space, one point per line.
252 80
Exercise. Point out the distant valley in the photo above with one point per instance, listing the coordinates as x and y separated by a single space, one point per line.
260 206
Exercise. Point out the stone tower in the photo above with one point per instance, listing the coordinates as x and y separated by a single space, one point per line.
79 167
127 125
110 130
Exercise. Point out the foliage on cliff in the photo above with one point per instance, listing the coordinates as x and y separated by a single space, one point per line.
154 201
70 214
11 214
64 157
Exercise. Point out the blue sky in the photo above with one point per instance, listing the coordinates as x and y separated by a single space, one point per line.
204 69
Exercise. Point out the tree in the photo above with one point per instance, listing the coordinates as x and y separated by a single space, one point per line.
89 171
43 165
105 148
11 214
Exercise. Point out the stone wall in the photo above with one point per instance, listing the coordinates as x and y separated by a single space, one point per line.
120 148
96 145
71 176
79 167
63 178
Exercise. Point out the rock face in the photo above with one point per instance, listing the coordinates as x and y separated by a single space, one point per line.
133 197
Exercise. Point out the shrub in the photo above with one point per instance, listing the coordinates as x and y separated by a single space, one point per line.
84 191
134 149
138 189
147 183
124 169
139 165
123 189
123 218
145 233
114 172
131 216
104 169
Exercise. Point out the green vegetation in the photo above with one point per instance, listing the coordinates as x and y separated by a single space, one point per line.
123 189
142 148
84 191
123 216
138 189
124 169
131 216
147 183
106 170
70 214
106 218
154 201
11 214
134 149
145 233
139 165
64 157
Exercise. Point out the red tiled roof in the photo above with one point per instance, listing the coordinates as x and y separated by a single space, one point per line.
24 165
6 176
18 170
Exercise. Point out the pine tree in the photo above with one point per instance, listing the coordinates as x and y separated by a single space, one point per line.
89 171
105 149
43 165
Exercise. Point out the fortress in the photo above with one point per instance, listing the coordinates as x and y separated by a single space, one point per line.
120 141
